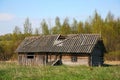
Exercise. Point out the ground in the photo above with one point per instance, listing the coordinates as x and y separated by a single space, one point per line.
13 71
112 62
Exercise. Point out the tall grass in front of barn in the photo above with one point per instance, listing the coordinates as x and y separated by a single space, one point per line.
12 71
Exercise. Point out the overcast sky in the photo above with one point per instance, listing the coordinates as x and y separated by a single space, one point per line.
14 12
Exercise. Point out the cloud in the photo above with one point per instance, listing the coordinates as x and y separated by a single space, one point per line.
6 17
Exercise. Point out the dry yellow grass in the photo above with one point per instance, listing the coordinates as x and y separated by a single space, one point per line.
112 62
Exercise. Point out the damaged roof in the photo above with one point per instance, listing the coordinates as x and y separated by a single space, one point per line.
73 43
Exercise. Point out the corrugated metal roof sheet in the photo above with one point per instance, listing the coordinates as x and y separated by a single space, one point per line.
77 43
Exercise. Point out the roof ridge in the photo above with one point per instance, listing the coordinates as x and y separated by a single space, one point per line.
91 34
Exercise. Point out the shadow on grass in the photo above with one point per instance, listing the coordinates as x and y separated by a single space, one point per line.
109 65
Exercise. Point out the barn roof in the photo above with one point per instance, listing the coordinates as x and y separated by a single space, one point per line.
73 43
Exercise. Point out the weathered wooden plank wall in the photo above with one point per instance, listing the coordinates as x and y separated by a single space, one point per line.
97 57
37 60
81 60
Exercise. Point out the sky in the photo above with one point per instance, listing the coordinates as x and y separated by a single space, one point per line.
14 12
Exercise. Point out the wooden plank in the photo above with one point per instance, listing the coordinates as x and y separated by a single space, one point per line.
81 60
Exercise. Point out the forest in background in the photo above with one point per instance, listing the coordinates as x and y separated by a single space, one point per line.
109 28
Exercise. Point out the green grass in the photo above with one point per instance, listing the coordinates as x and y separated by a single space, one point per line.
12 71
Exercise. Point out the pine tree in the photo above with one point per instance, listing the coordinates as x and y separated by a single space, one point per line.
96 23
65 29
27 27
80 28
16 30
74 28
37 31
57 27
44 26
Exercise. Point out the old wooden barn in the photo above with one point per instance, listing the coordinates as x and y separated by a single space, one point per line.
73 49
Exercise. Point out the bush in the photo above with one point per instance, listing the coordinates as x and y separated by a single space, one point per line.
113 56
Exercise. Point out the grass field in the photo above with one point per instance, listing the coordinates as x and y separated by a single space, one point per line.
12 71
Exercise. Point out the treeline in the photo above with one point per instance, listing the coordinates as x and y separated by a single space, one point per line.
109 28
